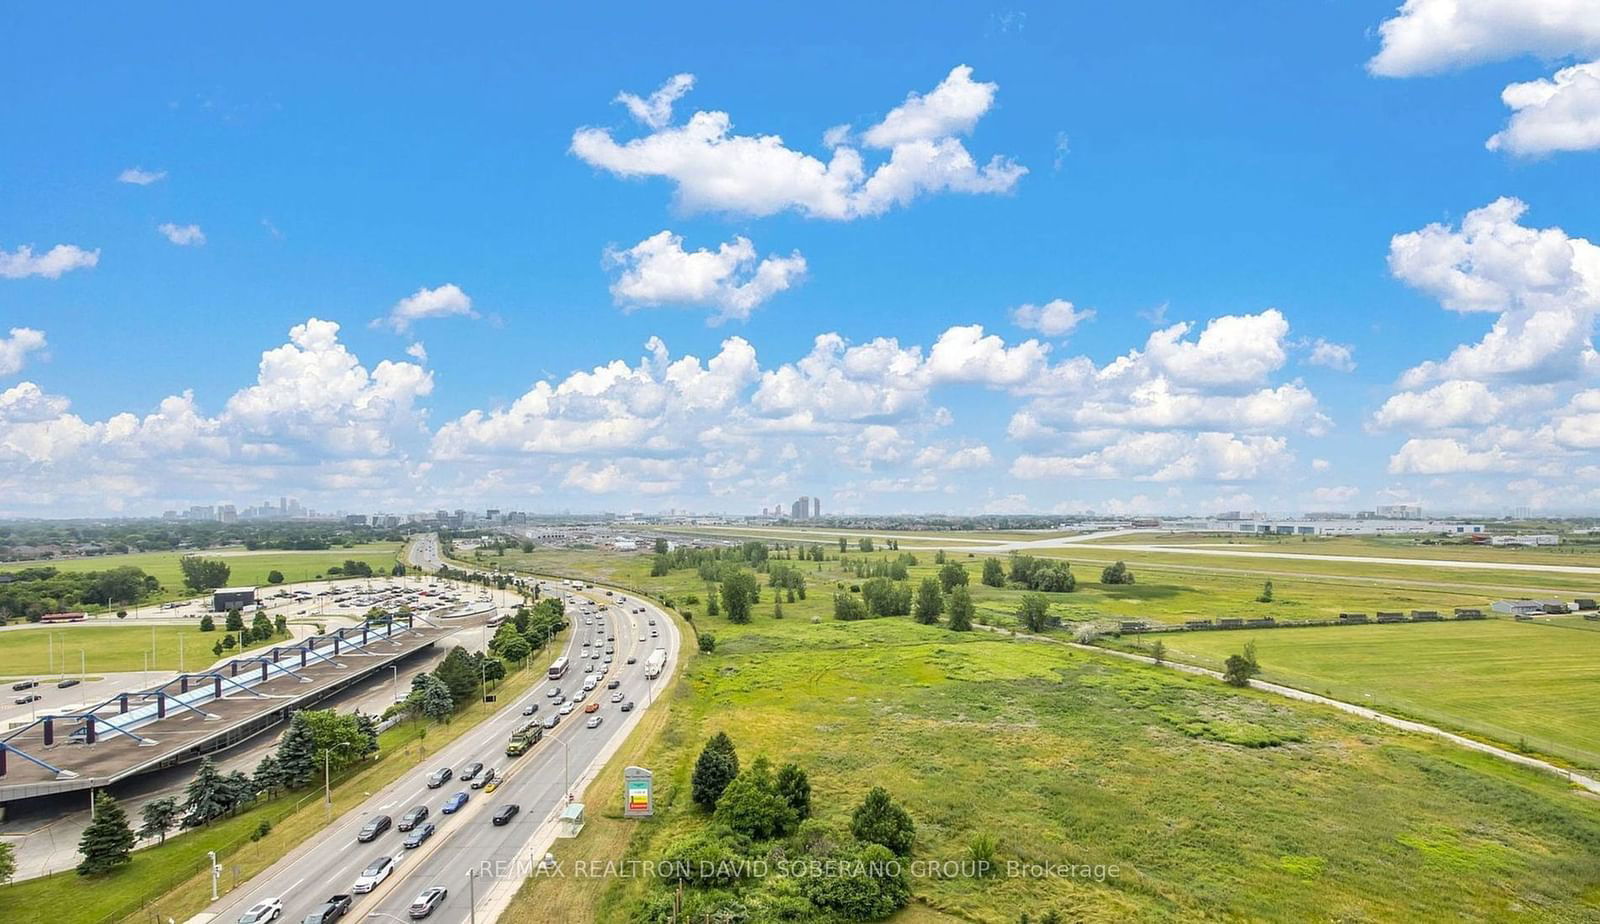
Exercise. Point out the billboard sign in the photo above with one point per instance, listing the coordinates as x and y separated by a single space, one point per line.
636 793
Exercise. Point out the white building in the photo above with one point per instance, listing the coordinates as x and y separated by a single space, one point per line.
1272 526
1540 539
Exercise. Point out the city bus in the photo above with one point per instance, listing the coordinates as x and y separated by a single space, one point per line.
497 620
559 668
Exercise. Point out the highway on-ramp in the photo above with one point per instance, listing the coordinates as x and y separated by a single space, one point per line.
467 840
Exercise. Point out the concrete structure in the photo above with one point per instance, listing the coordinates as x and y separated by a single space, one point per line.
1398 512
232 598
1268 526
1540 539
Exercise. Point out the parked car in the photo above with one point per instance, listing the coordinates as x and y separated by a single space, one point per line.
331 910
263 911
426 902
506 813
375 826
440 777
471 771
627 706
422 833
594 722
374 875
413 818
454 803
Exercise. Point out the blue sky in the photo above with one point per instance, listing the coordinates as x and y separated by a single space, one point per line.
220 179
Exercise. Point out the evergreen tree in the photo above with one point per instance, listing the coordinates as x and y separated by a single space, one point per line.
369 733
207 624
281 626
269 775
752 806
108 841
960 610
207 796
796 790
8 862
235 621
435 701
159 816
296 762
878 820
714 770
238 791
930 602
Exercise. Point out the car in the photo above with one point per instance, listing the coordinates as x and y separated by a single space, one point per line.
613 684
375 826
422 833
24 684
552 720
592 707
439 777
470 771
413 818
333 909
594 722
632 661
27 698
586 643
641 638
566 708
559 701
424 904
553 692
374 875
69 682
454 803
654 634
487 778
506 813
268 909
493 784
530 709
627 706
616 697
652 620
588 668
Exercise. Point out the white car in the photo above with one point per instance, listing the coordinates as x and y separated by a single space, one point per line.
566 709
267 909
374 875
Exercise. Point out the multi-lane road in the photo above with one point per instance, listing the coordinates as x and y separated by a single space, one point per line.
467 842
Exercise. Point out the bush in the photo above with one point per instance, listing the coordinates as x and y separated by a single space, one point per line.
878 820
708 643
262 830
1116 574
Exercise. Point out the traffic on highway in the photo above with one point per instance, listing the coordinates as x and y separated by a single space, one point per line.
432 844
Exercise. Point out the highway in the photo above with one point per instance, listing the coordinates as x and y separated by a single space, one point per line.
467 841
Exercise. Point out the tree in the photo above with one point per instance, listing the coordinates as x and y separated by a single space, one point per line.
369 733
459 674
713 609
228 643
269 775
261 626
274 577
159 817
238 790
878 820
296 755
752 806
660 547
930 602
8 862
994 573
708 643
847 607
938 557
235 621
796 789
435 700
739 591
1034 614
716 767
201 574
1116 574
207 624
844 544
960 610
217 649
777 606
1266 593
1158 651
108 841
1239 669
207 797
281 625
885 597
951 576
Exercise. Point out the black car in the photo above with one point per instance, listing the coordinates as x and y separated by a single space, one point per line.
27 698
439 777
470 771
25 685
627 706
422 833
613 684
506 813
633 660
426 902
375 826
69 682
413 818
331 910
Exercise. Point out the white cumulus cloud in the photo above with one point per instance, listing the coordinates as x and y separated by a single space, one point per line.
655 110
442 302
62 258
730 280
1429 36
14 349
1055 318
1559 114
183 235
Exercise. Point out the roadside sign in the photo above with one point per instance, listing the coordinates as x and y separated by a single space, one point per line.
636 793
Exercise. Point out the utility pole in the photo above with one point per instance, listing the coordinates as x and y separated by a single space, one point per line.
472 900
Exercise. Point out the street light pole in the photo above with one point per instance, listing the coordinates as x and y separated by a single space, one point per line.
396 685
472 899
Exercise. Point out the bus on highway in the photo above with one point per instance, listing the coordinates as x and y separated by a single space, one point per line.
559 668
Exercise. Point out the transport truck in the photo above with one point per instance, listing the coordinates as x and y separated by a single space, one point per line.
654 663
524 738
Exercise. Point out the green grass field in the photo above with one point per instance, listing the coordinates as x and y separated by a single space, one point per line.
1214 803
1528 683
247 567
100 649
1570 553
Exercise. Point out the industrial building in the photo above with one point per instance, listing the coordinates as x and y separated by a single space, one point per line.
1356 527
232 598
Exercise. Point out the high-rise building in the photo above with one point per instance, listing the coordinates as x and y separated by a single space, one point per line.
816 507
1399 512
